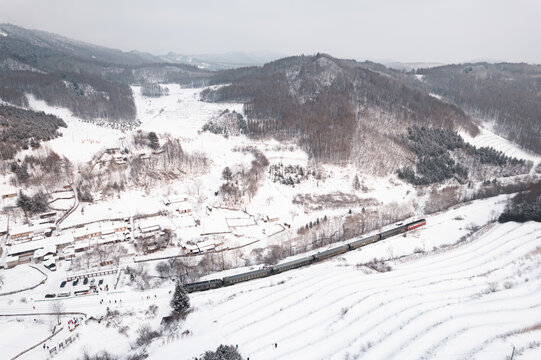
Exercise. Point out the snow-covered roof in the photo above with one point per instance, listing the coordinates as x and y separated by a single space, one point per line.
183 206
177 198
46 244
22 229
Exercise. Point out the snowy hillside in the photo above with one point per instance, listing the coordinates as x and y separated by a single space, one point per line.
462 302
458 288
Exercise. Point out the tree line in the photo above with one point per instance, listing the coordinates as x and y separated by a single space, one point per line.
318 100
434 163
505 93
21 129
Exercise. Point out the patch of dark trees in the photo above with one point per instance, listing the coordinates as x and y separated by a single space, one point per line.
153 89
87 96
434 164
223 352
525 206
32 170
228 123
505 93
25 128
35 204
293 98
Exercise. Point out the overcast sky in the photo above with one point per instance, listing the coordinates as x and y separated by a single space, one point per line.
401 30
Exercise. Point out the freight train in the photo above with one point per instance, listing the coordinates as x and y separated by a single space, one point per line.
276 269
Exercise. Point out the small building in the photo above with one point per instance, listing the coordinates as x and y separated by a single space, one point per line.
112 150
184 208
26 232
3 227
175 199
119 159
205 246
12 261
47 215
9 195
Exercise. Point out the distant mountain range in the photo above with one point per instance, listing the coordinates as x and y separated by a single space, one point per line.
228 60
339 110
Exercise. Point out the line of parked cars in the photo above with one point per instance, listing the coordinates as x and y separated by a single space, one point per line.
92 287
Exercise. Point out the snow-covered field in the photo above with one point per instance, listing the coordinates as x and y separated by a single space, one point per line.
487 138
80 141
448 295
454 303
20 277
180 113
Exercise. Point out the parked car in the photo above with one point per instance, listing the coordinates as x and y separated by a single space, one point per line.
92 282
48 296
62 284
85 281
75 282
100 282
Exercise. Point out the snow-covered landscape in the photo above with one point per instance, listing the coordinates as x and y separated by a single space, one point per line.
460 286
172 202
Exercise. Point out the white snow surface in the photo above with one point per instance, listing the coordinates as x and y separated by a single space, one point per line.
469 300
488 138
81 140
459 299
180 113
20 277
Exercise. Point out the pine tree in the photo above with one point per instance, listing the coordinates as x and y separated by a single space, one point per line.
226 173
223 352
154 141
180 301
356 183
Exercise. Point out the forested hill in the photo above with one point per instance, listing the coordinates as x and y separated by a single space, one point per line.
508 94
90 80
339 109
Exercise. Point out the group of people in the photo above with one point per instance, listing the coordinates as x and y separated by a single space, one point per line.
110 301
73 323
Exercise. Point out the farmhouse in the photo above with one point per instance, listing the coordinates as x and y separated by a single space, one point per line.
175 199
26 232
23 252
184 208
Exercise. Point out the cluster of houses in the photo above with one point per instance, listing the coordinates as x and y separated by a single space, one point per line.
42 243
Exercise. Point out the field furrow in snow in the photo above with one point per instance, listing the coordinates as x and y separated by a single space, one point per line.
444 303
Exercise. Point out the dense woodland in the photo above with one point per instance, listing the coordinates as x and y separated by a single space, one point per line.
338 110
20 129
505 93
92 81
525 206
87 96
434 149
323 102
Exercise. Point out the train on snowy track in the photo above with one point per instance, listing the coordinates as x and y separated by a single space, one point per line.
276 269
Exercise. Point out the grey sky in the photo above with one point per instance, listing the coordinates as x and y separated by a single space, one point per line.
408 30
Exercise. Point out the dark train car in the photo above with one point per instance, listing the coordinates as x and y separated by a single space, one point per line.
203 285
230 280
362 242
331 252
292 264
393 232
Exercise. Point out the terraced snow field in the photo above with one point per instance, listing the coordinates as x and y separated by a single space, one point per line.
470 300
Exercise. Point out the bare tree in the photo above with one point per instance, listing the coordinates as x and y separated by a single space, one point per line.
57 308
